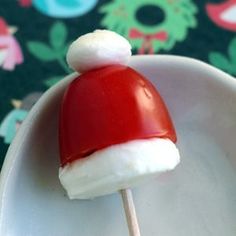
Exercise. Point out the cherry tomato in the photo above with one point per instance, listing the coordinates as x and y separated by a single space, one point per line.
107 106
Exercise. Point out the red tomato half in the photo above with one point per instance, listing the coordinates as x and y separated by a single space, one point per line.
108 106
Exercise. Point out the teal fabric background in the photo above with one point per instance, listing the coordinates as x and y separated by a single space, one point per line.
43 33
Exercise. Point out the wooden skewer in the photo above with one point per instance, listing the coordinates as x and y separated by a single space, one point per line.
130 212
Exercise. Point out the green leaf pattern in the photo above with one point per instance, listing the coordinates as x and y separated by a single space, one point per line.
53 80
57 48
58 35
42 51
225 62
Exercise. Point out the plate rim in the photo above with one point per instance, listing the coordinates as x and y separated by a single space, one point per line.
221 77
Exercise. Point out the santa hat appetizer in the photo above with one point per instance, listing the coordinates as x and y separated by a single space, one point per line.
115 130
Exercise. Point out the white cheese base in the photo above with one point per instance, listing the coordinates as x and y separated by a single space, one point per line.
117 167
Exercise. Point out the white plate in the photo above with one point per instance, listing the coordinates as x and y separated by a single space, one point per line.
197 199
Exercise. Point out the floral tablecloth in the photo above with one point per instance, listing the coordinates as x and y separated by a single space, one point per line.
35 34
